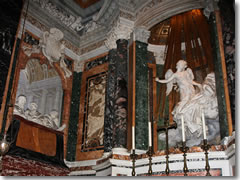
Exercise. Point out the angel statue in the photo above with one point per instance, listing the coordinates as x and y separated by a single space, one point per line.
184 79
53 48
192 104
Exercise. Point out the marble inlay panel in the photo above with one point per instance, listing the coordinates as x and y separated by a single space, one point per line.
94 108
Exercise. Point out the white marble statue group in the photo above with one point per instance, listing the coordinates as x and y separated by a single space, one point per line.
50 120
193 102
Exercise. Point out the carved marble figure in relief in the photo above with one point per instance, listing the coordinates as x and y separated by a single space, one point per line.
50 120
32 113
19 106
191 105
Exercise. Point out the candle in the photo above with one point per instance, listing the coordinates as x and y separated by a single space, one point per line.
133 137
149 133
204 126
183 130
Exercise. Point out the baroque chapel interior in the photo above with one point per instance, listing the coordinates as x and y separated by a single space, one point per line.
117 88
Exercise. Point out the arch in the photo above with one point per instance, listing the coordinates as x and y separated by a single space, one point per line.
149 16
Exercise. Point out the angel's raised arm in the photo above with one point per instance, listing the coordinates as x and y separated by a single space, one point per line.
166 80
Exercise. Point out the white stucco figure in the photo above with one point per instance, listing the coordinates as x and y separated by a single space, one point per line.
19 106
53 48
51 44
32 113
192 104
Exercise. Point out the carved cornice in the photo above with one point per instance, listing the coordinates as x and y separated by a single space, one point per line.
92 47
158 11
132 6
127 15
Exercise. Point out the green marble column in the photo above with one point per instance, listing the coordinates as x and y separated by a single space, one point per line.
140 36
219 77
141 118
74 116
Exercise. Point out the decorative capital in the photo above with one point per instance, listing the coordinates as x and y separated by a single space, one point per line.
121 30
210 6
158 51
141 34
78 66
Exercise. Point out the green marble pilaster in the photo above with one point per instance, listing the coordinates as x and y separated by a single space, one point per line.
121 96
219 77
159 74
74 115
141 110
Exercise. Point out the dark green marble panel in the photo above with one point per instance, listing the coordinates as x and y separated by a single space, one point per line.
121 96
74 116
141 109
160 75
109 115
219 77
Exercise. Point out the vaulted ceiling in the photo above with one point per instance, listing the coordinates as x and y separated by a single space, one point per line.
86 3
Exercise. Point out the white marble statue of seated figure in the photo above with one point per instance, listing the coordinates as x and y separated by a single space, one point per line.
19 106
32 114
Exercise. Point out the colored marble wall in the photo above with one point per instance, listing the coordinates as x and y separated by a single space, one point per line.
10 13
110 102
219 77
10 85
141 109
120 107
228 30
74 115
17 166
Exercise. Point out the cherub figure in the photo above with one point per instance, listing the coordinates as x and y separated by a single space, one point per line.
184 79
53 48
51 44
